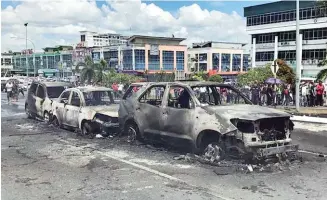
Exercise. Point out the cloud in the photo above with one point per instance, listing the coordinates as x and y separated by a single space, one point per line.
60 21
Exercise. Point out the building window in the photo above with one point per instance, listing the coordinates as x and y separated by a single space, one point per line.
68 59
236 63
314 54
128 60
51 62
225 62
203 67
82 38
154 61
305 13
180 60
203 57
168 60
287 55
215 61
264 56
112 58
246 65
139 59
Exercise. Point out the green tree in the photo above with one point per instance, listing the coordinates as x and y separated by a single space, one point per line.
216 78
92 71
322 74
260 74
200 76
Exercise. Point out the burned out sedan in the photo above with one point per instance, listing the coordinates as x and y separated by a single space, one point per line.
209 117
92 110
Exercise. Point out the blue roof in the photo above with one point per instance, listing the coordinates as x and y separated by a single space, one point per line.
278 6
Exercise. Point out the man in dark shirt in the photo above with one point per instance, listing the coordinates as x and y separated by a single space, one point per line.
255 90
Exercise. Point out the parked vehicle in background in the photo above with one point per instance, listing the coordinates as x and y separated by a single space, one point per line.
209 117
40 97
90 109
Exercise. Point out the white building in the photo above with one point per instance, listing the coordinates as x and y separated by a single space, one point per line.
94 39
273 26
6 61
225 58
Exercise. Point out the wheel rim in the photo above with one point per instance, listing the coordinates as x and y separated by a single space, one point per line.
213 152
46 117
131 134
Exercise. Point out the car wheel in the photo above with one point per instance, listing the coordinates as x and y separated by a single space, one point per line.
46 117
213 152
55 122
132 132
87 130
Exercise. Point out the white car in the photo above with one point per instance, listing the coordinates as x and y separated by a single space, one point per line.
92 110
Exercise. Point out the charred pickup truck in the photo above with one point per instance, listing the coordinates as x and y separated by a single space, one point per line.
214 119
92 110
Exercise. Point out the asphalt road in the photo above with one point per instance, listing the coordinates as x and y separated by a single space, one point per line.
42 162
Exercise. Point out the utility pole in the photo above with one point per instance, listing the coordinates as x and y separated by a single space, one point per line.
26 50
298 56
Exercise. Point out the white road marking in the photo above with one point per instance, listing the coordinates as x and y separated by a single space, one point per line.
147 169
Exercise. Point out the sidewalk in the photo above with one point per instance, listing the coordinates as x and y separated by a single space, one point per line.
307 114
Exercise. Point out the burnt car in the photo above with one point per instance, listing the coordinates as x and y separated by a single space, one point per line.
40 97
207 117
91 109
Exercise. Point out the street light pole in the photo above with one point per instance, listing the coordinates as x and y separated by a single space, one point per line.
298 56
26 50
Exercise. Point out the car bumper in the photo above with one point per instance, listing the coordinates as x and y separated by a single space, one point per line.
262 152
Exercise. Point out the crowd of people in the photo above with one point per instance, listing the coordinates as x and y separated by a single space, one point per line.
311 94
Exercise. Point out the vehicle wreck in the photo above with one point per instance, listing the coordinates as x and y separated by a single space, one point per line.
92 110
215 120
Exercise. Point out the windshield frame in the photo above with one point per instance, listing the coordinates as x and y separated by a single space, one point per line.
108 93
214 90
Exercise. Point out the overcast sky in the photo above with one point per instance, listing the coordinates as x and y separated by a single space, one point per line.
58 22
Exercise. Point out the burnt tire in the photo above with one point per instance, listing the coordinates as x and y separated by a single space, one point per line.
132 133
87 131
55 122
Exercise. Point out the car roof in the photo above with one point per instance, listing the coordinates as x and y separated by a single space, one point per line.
193 83
93 88
53 84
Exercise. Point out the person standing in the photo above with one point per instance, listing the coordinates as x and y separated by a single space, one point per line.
312 94
9 87
320 92
255 92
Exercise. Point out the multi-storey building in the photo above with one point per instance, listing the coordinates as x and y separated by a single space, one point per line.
145 53
272 27
53 62
225 58
94 39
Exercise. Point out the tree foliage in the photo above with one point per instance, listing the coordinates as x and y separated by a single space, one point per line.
162 76
260 74
113 77
216 78
200 76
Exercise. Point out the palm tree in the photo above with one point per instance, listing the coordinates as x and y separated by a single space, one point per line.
100 67
322 75
88 71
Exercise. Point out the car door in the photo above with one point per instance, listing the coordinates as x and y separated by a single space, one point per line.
72 110
148 111
60 106
178 116
39 100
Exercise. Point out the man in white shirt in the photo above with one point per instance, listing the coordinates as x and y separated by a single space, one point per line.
9 86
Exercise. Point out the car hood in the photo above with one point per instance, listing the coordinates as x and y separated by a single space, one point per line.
246 112
111 110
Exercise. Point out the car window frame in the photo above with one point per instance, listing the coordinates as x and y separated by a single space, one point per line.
44 91
30 91
60 97
185 88
71 97
165 86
